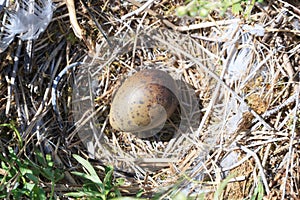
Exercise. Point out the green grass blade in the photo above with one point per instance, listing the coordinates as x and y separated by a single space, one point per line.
12 127
218 193
93 176
85 194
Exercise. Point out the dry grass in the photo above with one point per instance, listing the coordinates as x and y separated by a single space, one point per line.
244 121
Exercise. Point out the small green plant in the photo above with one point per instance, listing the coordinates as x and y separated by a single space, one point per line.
259 191
94 188
16 132
22 178
219 192
203 8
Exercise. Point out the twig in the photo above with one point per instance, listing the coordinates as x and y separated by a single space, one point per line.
72 15
139 10
217 78
96 23
290 100
186 28
39 113
207 25
272 30
244 159
260 167
29 44
45 66
11 83
286 4
136 39
262 63
54 91
292 138
25 107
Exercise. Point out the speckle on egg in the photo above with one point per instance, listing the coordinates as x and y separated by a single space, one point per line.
144 101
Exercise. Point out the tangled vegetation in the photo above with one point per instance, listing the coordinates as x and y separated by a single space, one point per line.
239 59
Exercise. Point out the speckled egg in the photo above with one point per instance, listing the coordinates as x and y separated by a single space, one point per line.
144 101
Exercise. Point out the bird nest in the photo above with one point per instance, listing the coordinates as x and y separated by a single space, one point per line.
238 117
95 80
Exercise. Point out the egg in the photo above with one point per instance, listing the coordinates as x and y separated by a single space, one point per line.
144 101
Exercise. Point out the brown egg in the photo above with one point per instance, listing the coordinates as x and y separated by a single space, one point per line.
144 101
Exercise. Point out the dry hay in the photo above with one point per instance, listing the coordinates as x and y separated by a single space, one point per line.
243 73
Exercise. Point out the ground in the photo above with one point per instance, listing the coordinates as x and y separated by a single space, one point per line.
234 135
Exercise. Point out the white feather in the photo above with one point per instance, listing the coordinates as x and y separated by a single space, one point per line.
2 2
238 66
30 19
257 30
